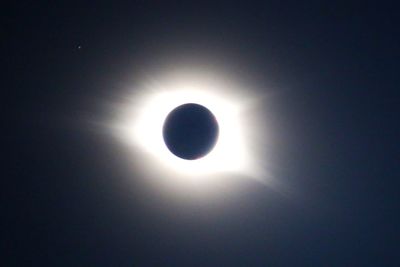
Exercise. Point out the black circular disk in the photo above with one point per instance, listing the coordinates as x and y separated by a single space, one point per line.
190 131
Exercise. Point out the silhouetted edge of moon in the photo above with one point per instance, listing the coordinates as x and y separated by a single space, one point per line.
190 131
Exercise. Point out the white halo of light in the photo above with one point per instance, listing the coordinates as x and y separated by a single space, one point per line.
140 118
229 153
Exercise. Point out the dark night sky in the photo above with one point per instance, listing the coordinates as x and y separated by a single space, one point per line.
332 69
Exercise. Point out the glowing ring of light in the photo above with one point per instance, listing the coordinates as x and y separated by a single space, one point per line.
140 122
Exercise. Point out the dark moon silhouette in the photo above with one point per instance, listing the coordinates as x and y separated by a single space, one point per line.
190 131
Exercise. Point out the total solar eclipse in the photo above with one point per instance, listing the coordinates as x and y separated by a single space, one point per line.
190 131
191 128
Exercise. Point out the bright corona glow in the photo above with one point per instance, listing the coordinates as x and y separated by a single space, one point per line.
229 152
141 118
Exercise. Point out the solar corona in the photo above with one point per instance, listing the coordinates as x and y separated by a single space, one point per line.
190 129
